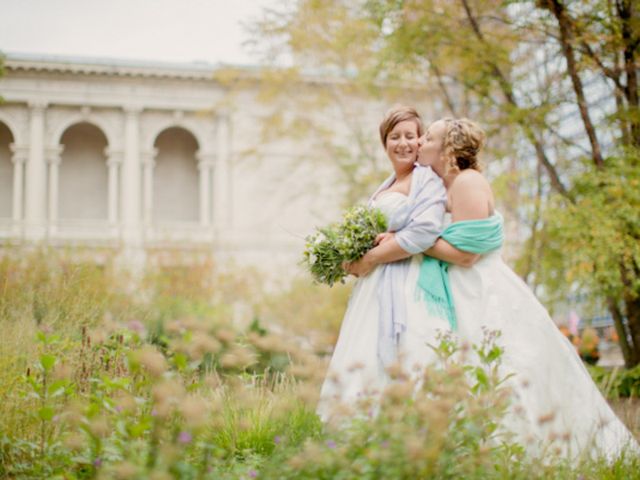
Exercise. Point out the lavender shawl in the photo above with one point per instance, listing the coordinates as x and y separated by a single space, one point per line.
417 225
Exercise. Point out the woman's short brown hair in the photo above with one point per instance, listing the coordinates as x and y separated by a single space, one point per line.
394 116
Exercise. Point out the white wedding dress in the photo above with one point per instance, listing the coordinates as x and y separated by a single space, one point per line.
556 405
355 370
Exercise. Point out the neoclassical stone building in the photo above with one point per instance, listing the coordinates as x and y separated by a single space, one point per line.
141 157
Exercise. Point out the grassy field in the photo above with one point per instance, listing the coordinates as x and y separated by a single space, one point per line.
197 374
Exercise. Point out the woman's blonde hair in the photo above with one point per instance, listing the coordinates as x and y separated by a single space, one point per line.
463 139
397 114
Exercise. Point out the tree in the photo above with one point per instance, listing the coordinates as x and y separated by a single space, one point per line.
554 81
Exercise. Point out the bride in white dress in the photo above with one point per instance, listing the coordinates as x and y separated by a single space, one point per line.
375 328
556 404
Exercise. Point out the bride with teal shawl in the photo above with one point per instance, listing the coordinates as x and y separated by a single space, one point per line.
464 281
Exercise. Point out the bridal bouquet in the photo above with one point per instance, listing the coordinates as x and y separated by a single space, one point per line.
345 241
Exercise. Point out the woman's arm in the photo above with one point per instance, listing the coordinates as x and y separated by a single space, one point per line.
470 200
421 232
443 250
386 251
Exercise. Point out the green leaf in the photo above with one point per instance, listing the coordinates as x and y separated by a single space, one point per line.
47 362
180 361
481 377
57 388
46 413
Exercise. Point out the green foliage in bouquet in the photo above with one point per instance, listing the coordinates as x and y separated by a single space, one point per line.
346 241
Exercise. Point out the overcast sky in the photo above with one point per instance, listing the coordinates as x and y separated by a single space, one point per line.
165 30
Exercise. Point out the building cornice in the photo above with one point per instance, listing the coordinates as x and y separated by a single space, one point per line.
224 73
110 67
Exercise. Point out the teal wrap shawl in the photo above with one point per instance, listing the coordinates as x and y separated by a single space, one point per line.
475 236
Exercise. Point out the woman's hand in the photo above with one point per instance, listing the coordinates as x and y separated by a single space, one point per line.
359 268
384 237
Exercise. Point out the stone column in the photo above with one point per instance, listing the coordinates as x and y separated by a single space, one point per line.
54 156
148 163
130 178
19 159
114 161
206 163
35 175
222 208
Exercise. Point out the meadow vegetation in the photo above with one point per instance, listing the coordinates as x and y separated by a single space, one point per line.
198 373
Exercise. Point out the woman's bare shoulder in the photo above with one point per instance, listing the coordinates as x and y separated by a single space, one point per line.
470 178
471 196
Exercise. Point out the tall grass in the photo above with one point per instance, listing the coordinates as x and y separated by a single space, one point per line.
99 380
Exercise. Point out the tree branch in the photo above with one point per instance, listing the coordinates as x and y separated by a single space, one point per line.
624 9
507 91
445 91
566 38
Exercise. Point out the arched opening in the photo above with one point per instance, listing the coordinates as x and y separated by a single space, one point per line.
6 172
175 178
83 176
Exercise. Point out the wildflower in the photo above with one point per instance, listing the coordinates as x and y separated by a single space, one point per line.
399 391
331 444
97 462
166 395
125 471
160 476
414 447
212 380
542 419
396 371
355 366
175 327
125 402
268 343
62 371
301 371
244 425
99 427
97 336
184 437
253 473
277 439
238 357
202 344
308 394
152 360
193 410
75 442
136 326
225 336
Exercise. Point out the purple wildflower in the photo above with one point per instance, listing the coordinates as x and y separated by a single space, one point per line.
277 439
185 437
97 462
253 473
331 444
136 326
